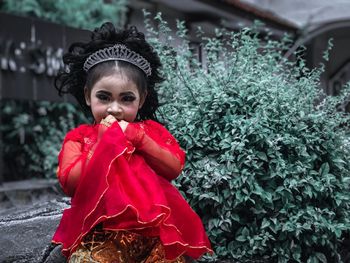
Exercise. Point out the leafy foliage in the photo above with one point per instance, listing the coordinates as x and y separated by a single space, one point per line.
32 136
268 159
77 13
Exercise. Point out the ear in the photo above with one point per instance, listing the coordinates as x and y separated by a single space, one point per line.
87 96
142 99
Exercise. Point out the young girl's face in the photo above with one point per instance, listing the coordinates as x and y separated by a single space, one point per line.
116 95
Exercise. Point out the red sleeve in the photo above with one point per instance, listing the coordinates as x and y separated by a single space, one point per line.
74 152
159 148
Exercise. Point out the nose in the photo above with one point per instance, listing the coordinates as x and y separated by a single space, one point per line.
114 109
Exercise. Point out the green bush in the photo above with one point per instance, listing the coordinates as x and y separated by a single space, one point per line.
84 14
267 153
32 135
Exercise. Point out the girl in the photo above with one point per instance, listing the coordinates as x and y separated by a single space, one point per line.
118 170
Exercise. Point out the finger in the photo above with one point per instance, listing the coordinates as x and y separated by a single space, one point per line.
123 124
110 118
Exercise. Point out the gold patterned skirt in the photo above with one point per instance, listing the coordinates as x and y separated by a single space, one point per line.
100 246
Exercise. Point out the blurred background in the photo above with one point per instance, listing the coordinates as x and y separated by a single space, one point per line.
35 33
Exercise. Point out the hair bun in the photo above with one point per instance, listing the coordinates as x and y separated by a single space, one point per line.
134 34
105 32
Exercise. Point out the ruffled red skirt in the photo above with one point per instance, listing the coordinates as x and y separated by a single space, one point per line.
119 190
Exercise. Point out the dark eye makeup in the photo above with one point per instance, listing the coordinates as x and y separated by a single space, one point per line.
102 96
106 96
128 98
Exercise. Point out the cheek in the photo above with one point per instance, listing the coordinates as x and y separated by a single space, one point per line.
95 106
98 110
131 113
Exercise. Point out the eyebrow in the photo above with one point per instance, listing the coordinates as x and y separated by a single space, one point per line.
121 94
127 93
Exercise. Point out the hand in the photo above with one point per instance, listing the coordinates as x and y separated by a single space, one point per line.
123 124
134 133
108 121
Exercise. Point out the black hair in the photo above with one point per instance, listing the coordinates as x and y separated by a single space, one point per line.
75 78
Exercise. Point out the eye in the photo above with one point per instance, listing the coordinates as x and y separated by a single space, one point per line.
102 97
128 98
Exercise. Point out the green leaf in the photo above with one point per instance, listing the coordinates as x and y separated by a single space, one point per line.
324 169
241 238
265 223
262 156
321 257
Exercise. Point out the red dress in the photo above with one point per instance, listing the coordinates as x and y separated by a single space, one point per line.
124 186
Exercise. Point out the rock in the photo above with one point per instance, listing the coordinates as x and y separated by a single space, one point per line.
28 192
26 231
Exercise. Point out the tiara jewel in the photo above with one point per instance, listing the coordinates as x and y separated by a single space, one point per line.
118 52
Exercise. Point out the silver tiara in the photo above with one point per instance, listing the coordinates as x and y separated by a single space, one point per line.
118 52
